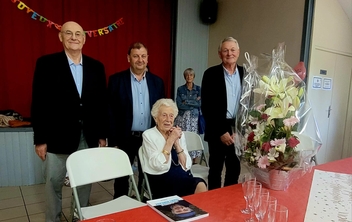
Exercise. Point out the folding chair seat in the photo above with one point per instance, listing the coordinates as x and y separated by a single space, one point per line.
194 143
100 164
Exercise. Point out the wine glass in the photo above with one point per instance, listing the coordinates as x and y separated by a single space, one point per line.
259 209
253 189
278 213
242 179
261 214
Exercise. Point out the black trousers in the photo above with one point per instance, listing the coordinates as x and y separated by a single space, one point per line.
131 147
219 154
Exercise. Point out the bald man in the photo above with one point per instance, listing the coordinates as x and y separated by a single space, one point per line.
68 112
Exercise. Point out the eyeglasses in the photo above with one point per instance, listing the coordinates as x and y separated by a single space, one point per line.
69 34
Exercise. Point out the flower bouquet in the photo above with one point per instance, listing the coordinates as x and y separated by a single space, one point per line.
270 121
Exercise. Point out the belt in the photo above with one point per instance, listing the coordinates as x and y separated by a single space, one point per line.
136 133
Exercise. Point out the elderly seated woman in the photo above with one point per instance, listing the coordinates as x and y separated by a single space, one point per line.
167 161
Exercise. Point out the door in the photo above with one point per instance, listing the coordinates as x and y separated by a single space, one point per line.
330 102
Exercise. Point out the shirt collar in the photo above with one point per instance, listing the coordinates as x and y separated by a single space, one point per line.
134 75
227 72
70 62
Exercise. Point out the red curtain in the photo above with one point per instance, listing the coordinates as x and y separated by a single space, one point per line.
25 37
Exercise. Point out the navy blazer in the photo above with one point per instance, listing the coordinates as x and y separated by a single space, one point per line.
121 103
214 102
57 109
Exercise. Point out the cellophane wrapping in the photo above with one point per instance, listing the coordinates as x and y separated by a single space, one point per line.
276 133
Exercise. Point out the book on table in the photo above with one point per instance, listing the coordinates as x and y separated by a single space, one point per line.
175 208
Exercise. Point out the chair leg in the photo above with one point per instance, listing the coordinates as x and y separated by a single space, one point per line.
314 159
203 158
130 188
72 210
142 189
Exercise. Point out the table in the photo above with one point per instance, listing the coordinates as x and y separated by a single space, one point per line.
224 204
19 164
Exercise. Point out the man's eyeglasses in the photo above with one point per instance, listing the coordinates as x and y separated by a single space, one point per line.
69 34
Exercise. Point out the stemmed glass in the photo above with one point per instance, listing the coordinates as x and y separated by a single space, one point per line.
278 213
261 212
259 194
242 179
253 189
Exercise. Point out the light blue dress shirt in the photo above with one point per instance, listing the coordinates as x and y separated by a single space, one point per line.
141 107
233 92
77 74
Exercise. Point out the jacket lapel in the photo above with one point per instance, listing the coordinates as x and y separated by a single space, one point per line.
66 71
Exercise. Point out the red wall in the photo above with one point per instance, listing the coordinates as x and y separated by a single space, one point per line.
24 38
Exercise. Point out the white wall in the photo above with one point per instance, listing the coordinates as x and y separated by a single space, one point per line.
332 44
191 42
259 26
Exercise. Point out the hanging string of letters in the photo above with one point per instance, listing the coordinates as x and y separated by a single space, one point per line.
91 33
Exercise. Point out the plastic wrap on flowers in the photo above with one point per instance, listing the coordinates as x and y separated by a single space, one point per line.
250 81
276 179
274 120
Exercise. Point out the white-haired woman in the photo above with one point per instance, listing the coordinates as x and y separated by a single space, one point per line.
167 161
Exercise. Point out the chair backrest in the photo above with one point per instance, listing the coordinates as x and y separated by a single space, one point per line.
194 141
97 164
306 143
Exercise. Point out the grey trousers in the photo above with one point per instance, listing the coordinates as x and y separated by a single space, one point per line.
54 170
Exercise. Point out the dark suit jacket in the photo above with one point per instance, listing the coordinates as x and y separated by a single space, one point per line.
121 103
57 110
214 102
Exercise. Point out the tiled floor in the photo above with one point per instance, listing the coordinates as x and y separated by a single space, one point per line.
26 203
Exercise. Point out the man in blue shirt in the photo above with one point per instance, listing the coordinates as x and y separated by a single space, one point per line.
221 92
68 112
132 94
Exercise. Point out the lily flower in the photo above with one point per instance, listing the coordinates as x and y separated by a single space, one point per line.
272 155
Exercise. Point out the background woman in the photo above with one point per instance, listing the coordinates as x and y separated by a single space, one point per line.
188 103
167 161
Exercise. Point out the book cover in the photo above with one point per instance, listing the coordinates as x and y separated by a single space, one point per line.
174 208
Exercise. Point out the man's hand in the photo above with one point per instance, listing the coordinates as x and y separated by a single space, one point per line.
227 139
40 150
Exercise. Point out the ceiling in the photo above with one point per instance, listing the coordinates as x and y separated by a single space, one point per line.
347 7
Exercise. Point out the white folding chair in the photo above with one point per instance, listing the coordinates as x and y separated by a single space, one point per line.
145 183
306 145
194 143
99 164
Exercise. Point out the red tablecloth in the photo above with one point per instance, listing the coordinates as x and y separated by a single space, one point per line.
224 204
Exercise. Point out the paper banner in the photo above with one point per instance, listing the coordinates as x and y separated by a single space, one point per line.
91 33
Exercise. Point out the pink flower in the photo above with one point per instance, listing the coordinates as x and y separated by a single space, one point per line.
263 162
291 121
266 146
277 142
293 142
260 107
